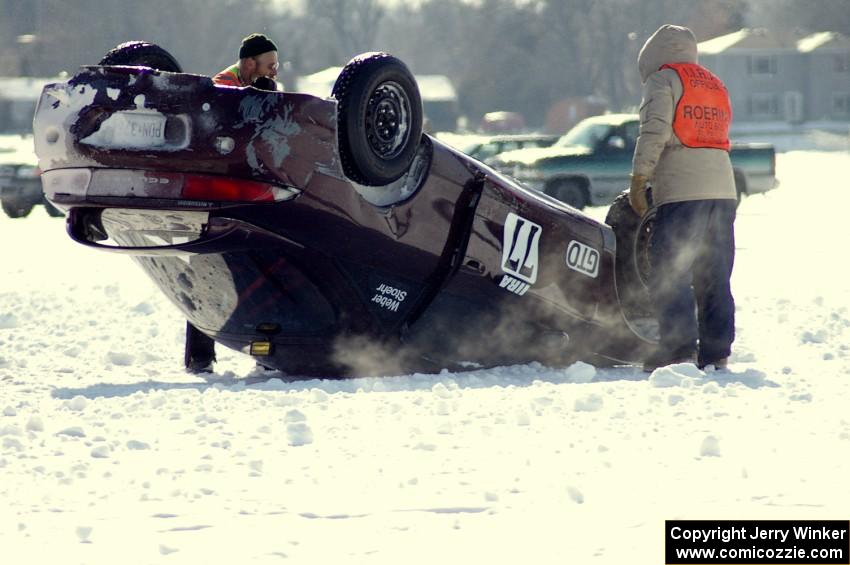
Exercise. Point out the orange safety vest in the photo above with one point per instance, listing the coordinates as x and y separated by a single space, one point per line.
229 76
704 113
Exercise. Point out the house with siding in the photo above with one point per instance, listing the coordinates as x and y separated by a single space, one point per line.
782 78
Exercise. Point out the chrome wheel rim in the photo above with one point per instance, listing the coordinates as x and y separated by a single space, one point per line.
388 120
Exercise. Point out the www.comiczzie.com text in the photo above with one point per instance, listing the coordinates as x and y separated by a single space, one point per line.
811 542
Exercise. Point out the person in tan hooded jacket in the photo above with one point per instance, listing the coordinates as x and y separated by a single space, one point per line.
682 151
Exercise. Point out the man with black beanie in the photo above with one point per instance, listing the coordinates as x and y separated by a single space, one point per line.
257 65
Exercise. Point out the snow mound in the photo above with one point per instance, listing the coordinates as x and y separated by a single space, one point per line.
294 416
136 445
674 375
590 403
580 372
299 434
710 447
575 495
144 308
76 404
8 321
73 431
35 424
120 359
83 533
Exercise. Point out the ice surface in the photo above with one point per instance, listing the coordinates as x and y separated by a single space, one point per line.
110 453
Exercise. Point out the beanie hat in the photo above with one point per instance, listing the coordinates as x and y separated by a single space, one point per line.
256 44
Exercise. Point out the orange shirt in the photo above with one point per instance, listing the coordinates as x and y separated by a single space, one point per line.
229 76
704 113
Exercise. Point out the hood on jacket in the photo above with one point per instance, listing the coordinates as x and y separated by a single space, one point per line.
670 44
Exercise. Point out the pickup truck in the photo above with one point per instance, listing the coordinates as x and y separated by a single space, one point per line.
591 163
20 178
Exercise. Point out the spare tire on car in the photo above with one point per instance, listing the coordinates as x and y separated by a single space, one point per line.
142 54
633 235
379 118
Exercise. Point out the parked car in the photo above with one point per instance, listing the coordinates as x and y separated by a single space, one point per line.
20 182
490 147
590 165
326 236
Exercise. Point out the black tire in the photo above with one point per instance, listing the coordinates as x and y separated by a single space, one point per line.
570 192
633 235
379 118
15 210
142 54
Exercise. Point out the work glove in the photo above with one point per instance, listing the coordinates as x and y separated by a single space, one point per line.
637 195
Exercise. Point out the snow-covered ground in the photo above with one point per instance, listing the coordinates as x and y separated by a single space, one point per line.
109 453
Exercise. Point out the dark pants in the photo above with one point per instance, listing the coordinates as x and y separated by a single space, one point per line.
200 348
692 253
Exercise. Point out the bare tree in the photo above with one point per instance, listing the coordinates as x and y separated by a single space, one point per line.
802 16
354 23
500 54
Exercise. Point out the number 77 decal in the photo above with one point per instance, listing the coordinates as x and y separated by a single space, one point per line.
520 248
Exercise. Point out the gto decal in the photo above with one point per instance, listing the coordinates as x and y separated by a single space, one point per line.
583 259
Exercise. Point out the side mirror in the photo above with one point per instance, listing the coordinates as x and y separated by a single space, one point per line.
616 142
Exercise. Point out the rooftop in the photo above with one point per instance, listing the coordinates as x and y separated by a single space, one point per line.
823 40
746 38
764 39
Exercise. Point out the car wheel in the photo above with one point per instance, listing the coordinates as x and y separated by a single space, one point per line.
634 235
16 211
379 118
142 54
570 192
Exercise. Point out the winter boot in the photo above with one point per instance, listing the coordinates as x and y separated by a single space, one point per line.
199 353
719 364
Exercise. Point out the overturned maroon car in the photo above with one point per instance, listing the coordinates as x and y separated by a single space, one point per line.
330 237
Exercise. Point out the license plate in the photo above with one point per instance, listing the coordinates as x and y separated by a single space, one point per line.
130 130
139 130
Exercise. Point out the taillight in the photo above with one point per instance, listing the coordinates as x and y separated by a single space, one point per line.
200 187
129 183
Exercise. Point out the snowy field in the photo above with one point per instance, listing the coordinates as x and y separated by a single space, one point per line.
109 453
